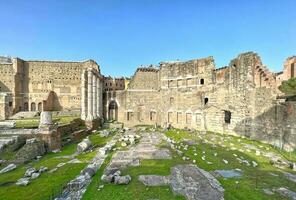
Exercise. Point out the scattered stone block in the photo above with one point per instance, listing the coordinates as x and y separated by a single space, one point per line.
31 150
35 175
286 193
153 180
30 171
122 180
290 176
233 173
84 145
8 168
104 133
60 165
23 181
225 161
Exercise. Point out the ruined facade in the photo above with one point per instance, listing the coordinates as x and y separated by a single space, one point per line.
240 98
42 85
237 99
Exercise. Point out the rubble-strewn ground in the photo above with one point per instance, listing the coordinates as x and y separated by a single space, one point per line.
48 184
256 174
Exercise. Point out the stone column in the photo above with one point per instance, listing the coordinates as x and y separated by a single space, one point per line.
95 100
45 119
98 97
89 96
83 95
101 100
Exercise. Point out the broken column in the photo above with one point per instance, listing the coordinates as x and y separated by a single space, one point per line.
48 132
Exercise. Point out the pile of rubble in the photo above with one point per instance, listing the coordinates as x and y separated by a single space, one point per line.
114 176
129 140
31 173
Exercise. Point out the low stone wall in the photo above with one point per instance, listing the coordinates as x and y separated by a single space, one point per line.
70 128
52 137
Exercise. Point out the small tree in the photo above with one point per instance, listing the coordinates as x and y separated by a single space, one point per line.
288 87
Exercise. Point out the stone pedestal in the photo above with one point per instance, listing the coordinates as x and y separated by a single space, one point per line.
93 124
48 132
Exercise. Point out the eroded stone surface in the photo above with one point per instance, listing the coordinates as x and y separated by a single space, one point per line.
189 181
195 183
154 180
8 168
286 192
145 149
229 173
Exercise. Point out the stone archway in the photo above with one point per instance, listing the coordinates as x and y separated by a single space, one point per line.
33 106
40 106
26 106
113 111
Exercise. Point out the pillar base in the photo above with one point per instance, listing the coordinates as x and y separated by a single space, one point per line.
51 138
93 124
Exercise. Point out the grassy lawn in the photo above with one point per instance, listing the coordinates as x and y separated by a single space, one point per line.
249 186
254 179
48 184
134 190
34 122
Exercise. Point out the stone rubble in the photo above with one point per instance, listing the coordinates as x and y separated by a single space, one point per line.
145 149
33 148
290 176
286 193
8 168
84 145
77 187
232 173
23 181
189 181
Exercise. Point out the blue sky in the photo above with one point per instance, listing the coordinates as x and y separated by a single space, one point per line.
123 34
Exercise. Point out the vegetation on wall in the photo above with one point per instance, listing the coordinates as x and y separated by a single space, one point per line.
288 87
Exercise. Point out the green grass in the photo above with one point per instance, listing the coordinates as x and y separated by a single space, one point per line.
254 179
34 122
135 190
48 184
249 186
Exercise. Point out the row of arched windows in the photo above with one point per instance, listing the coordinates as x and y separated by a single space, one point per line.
33 106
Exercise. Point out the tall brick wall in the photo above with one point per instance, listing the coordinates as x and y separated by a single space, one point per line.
7 77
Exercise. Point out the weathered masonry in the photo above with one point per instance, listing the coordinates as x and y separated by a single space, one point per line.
50 86
237 99
241 98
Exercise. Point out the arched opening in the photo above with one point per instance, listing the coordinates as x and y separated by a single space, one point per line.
33 106
227 116
26 106
40 106
113 111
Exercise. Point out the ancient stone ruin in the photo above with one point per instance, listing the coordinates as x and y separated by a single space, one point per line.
241 98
